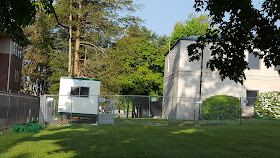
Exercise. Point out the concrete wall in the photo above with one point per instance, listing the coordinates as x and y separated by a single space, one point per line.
184 82
171 83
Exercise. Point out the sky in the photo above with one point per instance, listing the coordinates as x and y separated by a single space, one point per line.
160 16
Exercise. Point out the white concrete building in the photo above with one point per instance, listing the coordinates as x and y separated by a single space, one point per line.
182 82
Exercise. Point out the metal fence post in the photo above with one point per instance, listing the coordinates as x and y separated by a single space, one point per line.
172 106
24 108
149 106
8 110
45 108
71 111
54 106
240 110
194 116
98 105
124 108
17 109
217 109
149 109
30 111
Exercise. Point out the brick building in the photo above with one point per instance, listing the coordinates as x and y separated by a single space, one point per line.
10 64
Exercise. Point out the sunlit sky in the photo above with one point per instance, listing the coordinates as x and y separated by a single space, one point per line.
160 16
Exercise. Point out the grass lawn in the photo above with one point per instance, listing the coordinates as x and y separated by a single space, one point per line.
252 140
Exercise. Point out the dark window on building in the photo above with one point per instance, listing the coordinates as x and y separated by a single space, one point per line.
75 91
80 91
84 91
16 77
251 97
254 61
276 68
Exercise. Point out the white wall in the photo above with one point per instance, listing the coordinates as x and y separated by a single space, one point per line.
171 83
184 81
4 45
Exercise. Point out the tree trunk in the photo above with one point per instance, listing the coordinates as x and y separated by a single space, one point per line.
133 110
127 111
78 39
70 42
137 109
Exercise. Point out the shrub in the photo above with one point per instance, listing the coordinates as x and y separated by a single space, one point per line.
268 105
222 107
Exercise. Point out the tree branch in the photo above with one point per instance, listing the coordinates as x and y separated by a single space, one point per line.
90 44
52 8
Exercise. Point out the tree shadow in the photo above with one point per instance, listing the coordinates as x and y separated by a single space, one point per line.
97 141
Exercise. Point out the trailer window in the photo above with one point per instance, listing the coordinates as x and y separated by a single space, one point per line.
84 91
80 91
75 91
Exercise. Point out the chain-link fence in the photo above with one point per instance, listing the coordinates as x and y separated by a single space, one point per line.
17 109
152 110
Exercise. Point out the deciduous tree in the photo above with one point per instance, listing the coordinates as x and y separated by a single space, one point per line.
134 65
241 26
14 15
192 26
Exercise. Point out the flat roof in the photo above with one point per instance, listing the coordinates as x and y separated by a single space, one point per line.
189 38
92 79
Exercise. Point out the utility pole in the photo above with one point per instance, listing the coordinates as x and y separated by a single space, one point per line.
200 84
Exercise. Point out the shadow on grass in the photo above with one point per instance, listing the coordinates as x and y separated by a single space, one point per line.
97 141
142 141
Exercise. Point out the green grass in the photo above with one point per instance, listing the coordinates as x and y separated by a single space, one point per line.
160 121
258 138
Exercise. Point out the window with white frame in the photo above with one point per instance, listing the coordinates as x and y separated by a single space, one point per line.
80 91
168 64
17 50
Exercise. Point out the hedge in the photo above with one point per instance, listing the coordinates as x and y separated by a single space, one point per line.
221 107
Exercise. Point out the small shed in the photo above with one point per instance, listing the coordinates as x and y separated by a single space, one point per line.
78 96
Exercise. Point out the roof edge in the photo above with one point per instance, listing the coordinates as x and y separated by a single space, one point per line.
189 38
78 78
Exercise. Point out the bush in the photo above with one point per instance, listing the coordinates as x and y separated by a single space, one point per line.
221 107
268 105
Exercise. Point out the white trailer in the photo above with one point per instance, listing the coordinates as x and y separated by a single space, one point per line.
78 96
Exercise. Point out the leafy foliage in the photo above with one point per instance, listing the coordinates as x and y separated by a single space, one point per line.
15 14
134 65
268 105
246 28
95 24
45 58
221 107
190 27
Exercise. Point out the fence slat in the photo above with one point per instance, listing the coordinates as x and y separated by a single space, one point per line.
13 109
